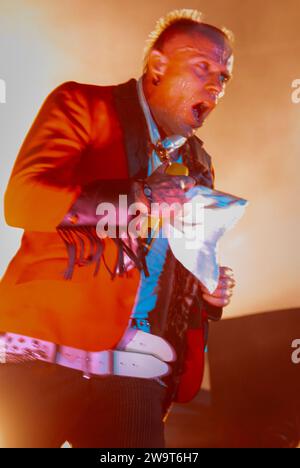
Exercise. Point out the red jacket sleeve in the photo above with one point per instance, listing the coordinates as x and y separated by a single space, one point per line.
42 185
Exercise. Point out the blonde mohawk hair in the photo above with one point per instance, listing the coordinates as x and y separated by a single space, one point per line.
170 18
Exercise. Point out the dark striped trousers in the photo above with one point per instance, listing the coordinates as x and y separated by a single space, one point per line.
43 405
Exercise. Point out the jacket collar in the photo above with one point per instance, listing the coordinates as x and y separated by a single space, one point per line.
134 128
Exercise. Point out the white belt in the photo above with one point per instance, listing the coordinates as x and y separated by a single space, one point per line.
138 354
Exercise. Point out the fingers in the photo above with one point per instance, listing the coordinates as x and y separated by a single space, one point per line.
226 277
224 284
184 182
226 272
161 180
220 292
216 301
221 296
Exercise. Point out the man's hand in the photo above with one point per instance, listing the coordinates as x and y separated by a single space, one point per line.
222 294
169 189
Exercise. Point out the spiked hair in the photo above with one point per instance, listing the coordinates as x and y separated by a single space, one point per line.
183 16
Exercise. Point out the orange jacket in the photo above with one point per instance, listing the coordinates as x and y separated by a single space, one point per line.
79 137
75 139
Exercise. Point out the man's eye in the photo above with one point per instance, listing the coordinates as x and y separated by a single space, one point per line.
204 66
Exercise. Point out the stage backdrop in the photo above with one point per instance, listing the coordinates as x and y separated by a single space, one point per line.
254 135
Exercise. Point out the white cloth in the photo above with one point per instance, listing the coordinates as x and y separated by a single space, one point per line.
194 238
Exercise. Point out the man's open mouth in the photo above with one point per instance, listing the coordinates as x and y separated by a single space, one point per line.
201 110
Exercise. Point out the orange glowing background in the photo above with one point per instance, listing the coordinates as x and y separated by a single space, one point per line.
254 135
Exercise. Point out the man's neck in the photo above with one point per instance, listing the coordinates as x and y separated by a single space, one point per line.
147 94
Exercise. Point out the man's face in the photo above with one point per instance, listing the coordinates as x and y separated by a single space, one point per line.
193 81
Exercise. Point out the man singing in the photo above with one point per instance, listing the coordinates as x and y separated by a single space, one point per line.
99 336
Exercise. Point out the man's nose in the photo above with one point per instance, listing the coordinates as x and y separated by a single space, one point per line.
214 88
215 82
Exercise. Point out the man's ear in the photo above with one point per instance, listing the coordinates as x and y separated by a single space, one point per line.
157 64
